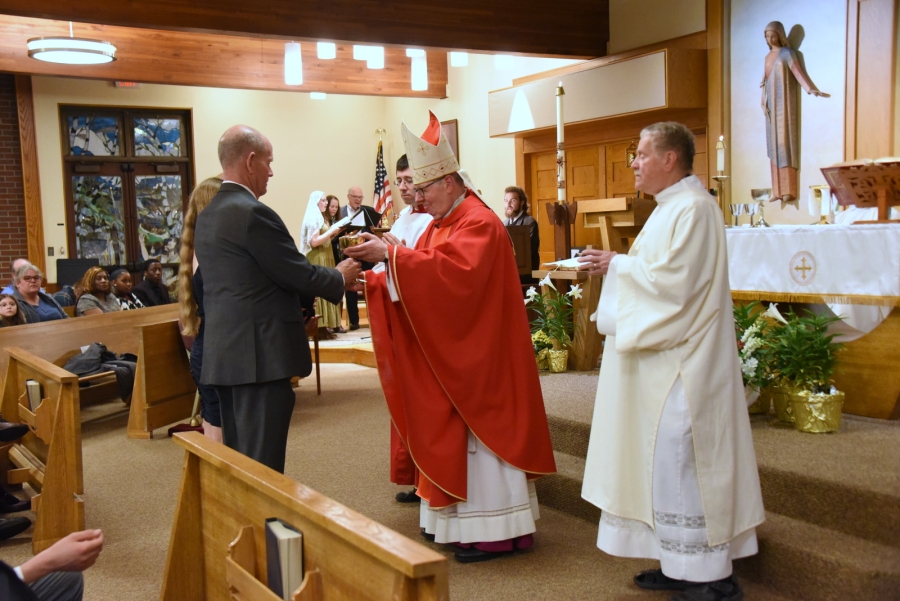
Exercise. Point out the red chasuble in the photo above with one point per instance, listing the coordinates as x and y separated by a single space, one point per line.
455 352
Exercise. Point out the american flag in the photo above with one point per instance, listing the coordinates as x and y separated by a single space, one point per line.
383 202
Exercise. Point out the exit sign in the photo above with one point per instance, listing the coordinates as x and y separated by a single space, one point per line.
127 84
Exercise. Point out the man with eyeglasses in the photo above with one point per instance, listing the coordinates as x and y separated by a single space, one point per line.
456 363
11 287
405 232
372 219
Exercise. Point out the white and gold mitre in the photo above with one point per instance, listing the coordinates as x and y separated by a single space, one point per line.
430 157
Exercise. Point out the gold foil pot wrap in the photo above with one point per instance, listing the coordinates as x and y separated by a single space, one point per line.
558 361
348 241
781 400
543 359
762 402
817 412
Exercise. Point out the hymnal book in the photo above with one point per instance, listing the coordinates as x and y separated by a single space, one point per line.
284 558
33 389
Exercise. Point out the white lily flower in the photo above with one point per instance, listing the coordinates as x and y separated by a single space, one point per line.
531 293
575 292
527 300
773 312
546 282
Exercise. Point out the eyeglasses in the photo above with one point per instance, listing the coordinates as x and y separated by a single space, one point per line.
32 278
421 191
356 197
407 180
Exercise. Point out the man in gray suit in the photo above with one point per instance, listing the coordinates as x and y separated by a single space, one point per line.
254 278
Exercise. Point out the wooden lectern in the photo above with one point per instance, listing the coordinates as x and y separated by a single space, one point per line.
620 220
866 184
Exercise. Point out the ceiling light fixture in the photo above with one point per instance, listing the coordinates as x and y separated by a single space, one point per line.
373 55
317 95
293 64
71 50
419 69
459 59
326 50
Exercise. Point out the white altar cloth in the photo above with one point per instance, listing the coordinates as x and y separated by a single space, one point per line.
848 264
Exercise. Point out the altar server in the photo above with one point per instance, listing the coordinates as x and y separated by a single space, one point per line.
456 363
671 460
406 231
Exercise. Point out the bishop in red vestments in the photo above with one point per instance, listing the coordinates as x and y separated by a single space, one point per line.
456 363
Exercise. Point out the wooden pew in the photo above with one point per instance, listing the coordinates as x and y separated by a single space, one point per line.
49 456
163 388
346 556
51 340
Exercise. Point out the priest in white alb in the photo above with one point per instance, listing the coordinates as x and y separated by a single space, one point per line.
670 461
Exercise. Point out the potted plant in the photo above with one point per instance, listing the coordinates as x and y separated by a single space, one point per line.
542 345
555 312
803 358
752 331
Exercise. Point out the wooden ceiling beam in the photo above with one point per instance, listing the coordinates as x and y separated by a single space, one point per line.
577 28
221 61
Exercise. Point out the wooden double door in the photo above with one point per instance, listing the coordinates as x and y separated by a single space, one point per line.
598 171
595 171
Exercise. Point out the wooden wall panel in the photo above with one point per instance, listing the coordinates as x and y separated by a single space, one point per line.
222 61
871 73
31 180
585 180
580 28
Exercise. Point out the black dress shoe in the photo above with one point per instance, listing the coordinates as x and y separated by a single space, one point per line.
473 555
426 536
407 497
354 326
10 431
10 527
11 504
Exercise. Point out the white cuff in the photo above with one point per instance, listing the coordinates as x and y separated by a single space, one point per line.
18 571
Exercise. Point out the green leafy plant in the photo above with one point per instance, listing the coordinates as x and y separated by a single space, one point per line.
803 353
555 312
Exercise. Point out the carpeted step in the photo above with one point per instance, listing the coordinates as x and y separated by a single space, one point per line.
801 560
812 563
562 490
846 481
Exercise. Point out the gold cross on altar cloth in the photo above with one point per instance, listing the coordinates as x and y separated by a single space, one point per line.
803 268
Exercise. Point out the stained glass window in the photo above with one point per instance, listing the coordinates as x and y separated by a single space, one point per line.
157 137
99 224
159 201
94 135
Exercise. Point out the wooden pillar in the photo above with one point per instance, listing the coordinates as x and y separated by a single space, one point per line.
31 180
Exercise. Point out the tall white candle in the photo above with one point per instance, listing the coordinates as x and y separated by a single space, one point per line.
560 146
720 154
826 202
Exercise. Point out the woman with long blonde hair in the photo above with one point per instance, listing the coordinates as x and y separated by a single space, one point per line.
190 300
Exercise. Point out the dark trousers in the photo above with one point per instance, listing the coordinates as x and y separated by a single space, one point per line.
352 307
59 586
256 419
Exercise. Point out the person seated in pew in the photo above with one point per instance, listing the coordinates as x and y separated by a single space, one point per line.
152 291
10 314
97 297
122 286
35 304
68 295
13 267
54 574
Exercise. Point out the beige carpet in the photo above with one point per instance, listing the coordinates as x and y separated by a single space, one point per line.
339 446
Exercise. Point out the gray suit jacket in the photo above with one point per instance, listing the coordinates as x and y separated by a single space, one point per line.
253 280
